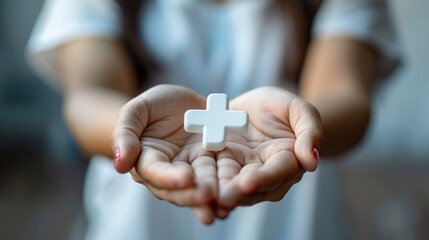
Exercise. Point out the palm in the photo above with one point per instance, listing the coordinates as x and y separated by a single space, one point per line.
175 158
176 166
261 165
168 161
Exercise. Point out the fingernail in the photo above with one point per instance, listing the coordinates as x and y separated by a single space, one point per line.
315 154
116 157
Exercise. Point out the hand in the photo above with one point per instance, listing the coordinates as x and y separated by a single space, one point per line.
282 143
174 167
150 142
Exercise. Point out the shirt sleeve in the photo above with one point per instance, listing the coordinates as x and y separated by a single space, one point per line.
365 20
61 21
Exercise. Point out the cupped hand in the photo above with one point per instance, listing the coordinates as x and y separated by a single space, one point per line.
283 141
149 141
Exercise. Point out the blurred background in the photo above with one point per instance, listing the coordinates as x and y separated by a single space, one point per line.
382 187
41 171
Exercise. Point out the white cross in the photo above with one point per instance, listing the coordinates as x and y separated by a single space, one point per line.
215 122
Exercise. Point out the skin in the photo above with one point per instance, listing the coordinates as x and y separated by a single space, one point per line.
97 80
337 79
262 165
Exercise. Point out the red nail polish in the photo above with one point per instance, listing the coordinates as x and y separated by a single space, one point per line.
116 156
315 154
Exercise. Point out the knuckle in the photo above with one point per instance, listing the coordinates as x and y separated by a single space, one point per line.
297 179
137 179
125 109
156 193
158 197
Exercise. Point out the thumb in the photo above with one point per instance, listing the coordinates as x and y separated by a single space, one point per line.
131 122
306 123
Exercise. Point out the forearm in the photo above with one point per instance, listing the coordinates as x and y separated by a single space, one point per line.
97 81
91 116
344 121
337 79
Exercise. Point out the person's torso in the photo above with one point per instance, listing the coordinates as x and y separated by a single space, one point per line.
209 47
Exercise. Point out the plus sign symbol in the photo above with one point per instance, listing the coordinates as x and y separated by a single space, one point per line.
215 122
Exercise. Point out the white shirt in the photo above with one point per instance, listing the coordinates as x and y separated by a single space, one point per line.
227 48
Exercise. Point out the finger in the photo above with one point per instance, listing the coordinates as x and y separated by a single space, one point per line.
205 174
191 197
231 193
271 196
229 197
222 213
230 169
205 214
227 169
274 195
276 171
136 177
155 167
131 122
306 123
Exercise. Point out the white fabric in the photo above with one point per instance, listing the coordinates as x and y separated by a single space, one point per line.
213 48
365 20
118 208
62 21
210 48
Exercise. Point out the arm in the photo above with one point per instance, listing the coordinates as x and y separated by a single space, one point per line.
97 80
337 79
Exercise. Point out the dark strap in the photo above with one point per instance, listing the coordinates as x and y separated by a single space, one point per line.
143 63
301 12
